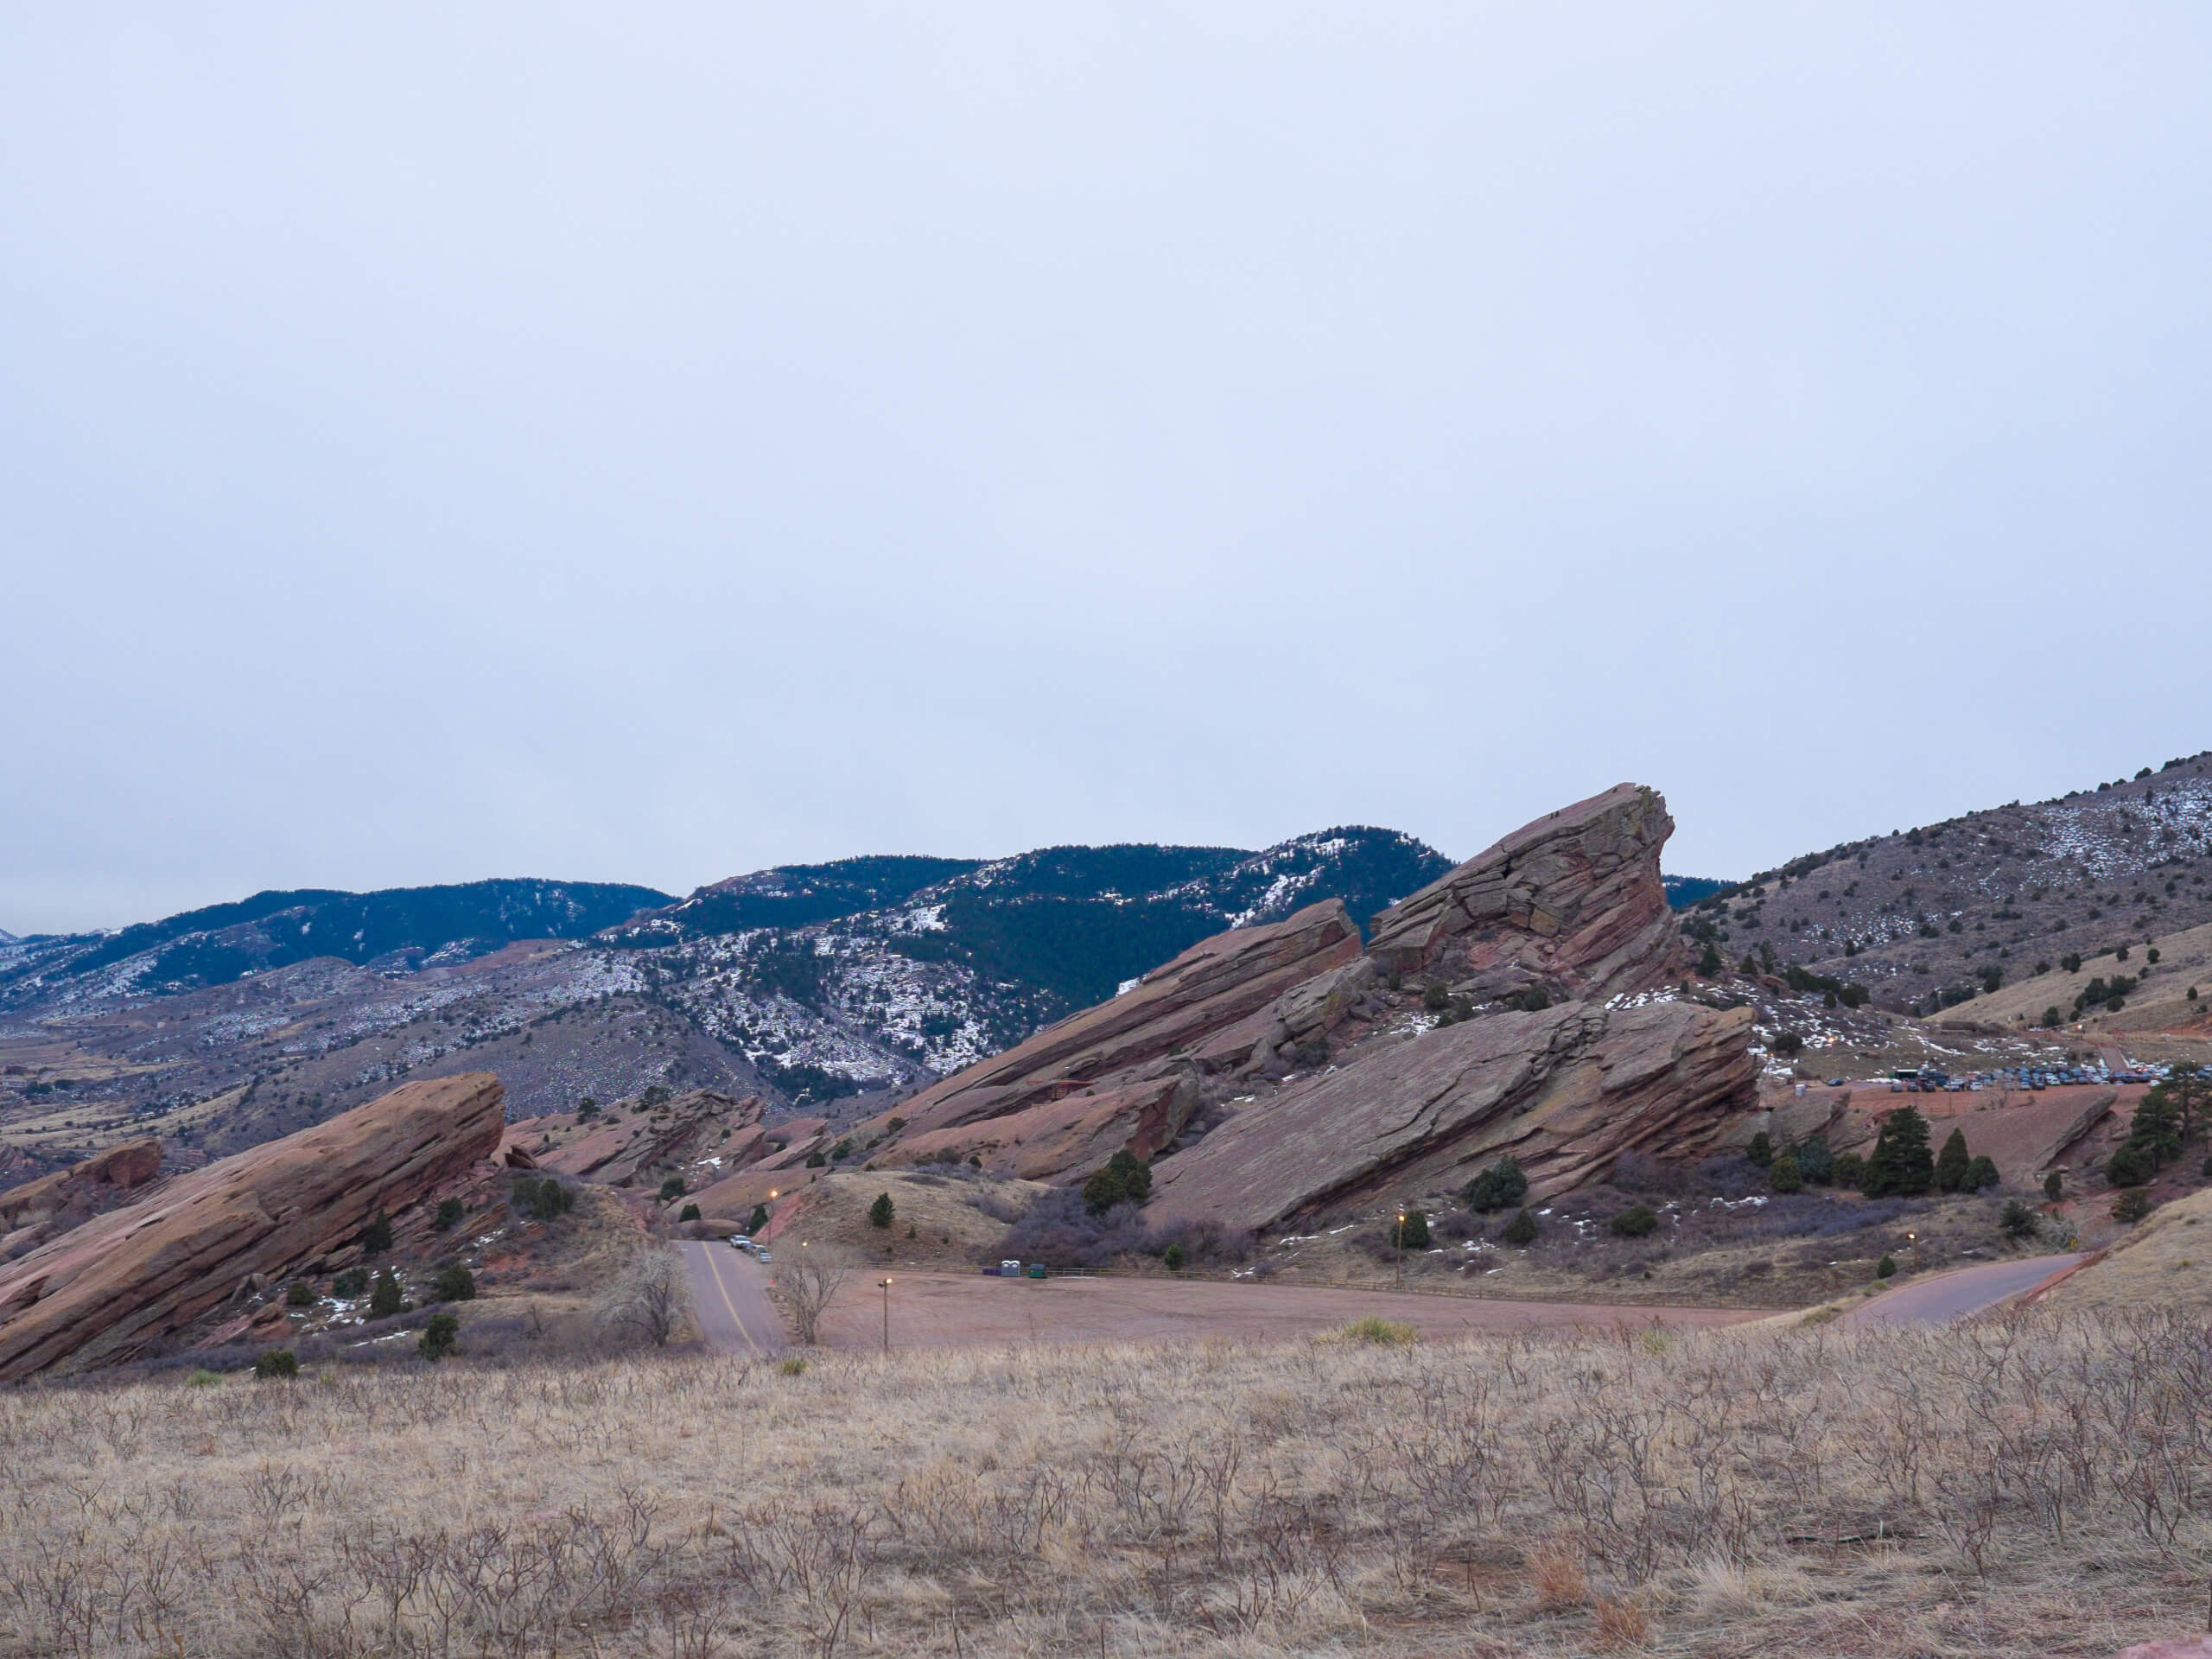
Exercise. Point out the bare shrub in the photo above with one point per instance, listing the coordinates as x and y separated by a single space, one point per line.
1744 1491
808 1278
650 1301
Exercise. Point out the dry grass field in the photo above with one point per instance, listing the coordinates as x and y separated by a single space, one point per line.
2040 1485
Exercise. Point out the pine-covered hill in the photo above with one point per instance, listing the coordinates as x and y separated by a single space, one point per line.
394 930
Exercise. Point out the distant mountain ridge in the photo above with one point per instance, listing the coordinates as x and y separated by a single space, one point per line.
396 929
807 983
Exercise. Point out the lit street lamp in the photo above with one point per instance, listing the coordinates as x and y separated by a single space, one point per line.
1398 1253
885 1288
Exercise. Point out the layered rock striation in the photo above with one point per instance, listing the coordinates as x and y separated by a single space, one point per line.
36 1211
1277 1072
1124 1074
1572 904
107 1290
1565 1091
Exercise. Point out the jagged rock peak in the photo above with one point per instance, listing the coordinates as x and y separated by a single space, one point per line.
1572 902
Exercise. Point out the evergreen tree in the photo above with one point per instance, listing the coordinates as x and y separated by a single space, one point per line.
1761 1150
1501 1186
2053 1187
385 1299
2188 1088
1815 1162
2156 1128
882 1212
1784 1175
1900 1164
1522 1229
1952 1163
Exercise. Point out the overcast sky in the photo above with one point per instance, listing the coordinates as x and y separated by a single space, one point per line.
651 442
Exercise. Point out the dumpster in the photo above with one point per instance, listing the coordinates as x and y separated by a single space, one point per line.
1036 1269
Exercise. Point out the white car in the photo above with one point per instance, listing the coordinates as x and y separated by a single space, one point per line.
741 1243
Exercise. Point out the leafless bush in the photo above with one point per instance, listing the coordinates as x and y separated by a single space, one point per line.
1686 1492
650 1301
808 1278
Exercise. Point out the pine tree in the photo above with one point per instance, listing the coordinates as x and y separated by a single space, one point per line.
1761 1150
1900 1164
1784 1175
2156 1128
385 1299
1952 1163
882 1212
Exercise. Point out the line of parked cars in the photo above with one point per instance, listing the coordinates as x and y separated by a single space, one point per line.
758 1252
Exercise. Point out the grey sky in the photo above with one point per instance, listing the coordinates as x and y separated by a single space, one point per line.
652 443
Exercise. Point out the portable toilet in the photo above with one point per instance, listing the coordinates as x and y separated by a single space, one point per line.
1010 1269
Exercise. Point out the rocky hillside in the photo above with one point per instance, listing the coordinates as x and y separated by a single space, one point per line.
1934 916
819 988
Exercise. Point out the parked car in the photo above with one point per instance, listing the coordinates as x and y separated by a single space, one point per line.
739 1241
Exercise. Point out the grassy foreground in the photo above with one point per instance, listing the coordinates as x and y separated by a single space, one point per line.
2037 1486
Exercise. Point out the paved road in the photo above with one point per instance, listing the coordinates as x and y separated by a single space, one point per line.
729 1293
1944 1296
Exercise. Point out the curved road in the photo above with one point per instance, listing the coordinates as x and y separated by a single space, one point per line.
730 1293
1945 1296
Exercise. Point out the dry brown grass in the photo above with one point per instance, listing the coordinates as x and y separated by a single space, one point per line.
2033 1486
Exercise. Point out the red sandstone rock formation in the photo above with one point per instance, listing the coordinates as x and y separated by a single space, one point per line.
1212 987
106 1290
1565 1091
1065 1140
37 1211
1572 902
646 1141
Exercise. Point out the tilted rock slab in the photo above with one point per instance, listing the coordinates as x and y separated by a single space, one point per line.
1067 1140
1565 1091
106 1290
36 1211
1141 1033
1572 902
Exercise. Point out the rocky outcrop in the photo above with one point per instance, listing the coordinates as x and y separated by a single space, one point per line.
1065 1140
1573 903
641 1143
1278 1072
1222 985
107 1290
1565 1091
37 1211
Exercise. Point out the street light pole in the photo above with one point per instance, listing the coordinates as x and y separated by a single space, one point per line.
885 1288
1398 1253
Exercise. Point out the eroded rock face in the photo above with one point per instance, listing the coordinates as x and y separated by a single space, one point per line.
1573 903
646 1141
105 1291
1064 1140
1310 1084
1567 1091
1212 987
37 1209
